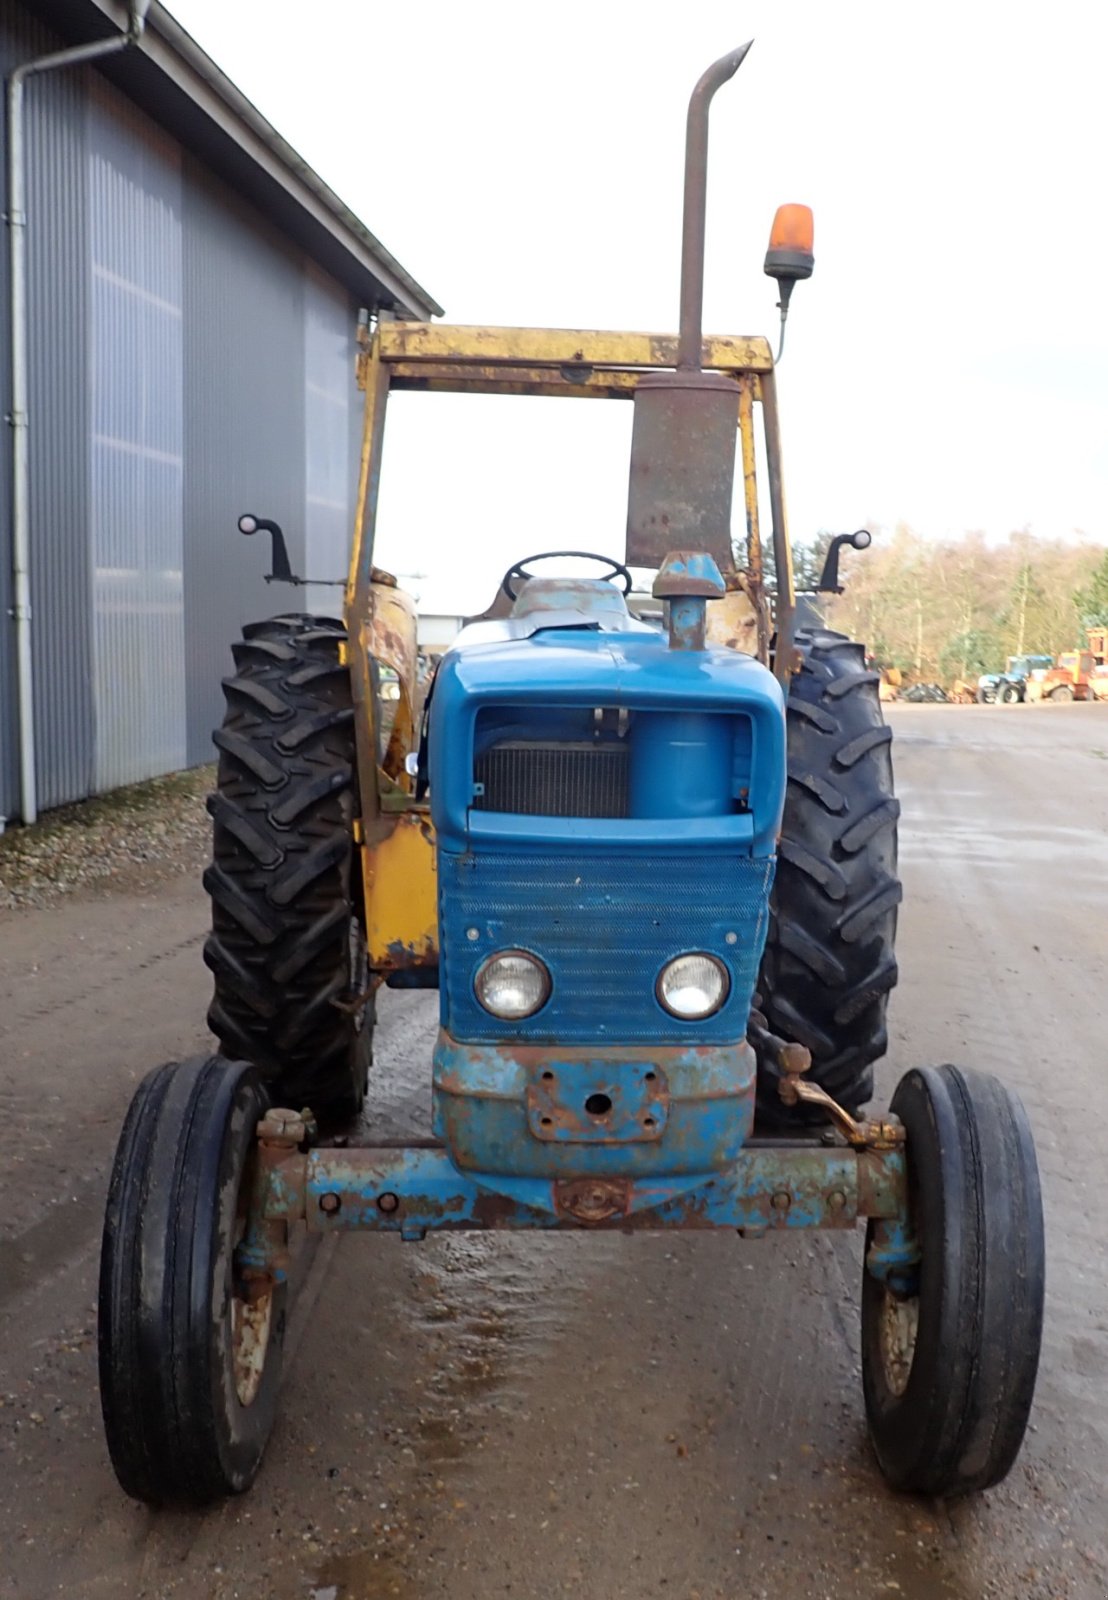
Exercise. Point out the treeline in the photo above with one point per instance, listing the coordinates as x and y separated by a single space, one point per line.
941 610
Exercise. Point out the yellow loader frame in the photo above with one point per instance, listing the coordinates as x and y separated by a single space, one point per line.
394 832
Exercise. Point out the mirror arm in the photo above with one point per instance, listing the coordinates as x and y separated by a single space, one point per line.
829 577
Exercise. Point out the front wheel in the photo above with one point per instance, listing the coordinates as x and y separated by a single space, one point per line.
190 1360
1062 694
948 1368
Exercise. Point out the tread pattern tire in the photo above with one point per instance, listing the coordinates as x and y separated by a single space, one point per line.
829 963
176 1427
286 948
957 1424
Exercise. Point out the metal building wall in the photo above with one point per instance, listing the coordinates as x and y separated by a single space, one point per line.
11 52
243 430
330 398
57 437
187 364
136 375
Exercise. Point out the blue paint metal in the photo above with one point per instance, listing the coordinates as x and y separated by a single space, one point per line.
689 572
595 600
683 763
686 620
687 580
893 1254
585 668
605 902
486 1100
419 1189
604 926
602 1100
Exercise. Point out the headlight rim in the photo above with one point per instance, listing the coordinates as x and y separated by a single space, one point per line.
500 955
701 1016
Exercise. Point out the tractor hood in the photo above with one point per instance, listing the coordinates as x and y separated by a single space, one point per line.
556 685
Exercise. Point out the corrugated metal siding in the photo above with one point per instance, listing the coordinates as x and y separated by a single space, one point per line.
136 367
23 39
187 364
12 50
330 394
244 421
58 435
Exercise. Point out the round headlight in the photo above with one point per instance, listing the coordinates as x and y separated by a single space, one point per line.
693 986
512 984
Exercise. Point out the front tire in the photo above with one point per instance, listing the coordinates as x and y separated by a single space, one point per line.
189 1367
949 1371
829 963
292 988
1063 694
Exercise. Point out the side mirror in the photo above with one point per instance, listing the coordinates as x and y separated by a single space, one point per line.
829 577
789 257
282 572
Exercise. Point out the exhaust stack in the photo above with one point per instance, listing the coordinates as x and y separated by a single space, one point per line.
684 436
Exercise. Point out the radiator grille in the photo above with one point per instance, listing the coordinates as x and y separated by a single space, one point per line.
548 779
604 924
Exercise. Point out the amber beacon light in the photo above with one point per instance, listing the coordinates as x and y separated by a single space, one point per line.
789 257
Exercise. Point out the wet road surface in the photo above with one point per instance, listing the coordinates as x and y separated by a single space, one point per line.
656 1417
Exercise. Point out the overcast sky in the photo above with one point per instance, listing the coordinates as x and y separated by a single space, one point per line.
947 364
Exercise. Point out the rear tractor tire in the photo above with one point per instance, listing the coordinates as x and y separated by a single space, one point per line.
829 962
287 947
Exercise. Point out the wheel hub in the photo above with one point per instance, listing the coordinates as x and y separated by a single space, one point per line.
251 1320
899 1328
251 1310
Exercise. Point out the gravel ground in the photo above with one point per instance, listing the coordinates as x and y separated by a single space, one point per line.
132 838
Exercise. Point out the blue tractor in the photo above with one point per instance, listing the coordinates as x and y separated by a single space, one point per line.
652 873
1009 687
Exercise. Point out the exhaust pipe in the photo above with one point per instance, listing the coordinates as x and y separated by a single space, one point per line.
685 426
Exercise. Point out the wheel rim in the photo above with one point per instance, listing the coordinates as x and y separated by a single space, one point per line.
251 1313
250 1325
898 1331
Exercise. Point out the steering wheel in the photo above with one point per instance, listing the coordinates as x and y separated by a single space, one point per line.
519 570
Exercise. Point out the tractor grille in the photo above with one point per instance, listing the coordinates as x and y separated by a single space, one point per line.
605 924
537 779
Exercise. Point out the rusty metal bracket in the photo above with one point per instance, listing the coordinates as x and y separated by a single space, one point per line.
276 1198
794 1060
592 1200
590 1102
864 1135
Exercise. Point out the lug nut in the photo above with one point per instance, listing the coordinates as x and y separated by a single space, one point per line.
782 1200
329 1203
388 1202
836 1200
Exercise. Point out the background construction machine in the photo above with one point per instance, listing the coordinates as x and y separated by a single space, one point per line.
1069 678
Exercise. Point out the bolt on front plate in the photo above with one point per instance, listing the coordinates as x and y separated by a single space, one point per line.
598 1102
